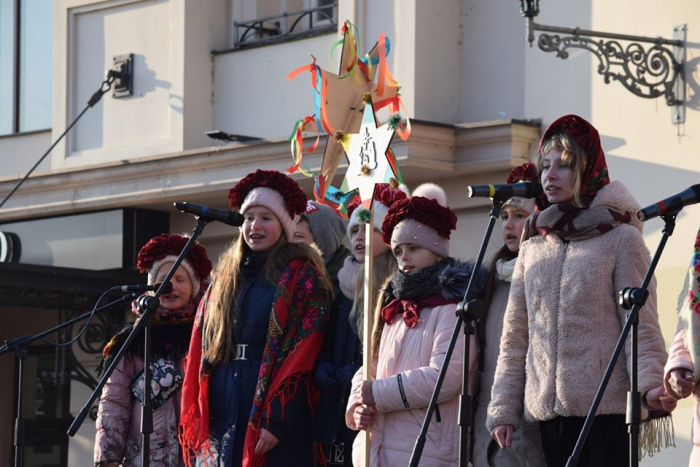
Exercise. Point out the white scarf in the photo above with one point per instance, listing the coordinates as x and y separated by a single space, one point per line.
504 269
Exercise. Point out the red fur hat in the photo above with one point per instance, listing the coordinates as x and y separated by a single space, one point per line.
274 191
422 219
166 248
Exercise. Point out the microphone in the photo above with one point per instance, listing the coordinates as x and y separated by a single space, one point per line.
210 214
521 190
671 205
143 288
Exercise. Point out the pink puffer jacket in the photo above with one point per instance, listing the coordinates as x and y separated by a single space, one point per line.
118 437
406 371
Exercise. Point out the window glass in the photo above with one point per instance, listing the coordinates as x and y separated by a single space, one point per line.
7 47
36 64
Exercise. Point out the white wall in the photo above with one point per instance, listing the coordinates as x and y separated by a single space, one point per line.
20 152
171 105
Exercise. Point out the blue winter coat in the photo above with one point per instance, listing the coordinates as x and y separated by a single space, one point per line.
340 360
232 385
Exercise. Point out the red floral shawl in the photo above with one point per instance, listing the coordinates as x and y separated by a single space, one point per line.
294 339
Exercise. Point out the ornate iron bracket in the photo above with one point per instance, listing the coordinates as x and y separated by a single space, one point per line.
648 67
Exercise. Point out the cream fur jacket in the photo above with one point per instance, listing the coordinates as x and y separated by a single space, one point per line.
563 321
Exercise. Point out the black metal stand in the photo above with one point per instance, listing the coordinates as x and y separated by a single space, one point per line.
148 306
104 88
19 347
468 311
630 299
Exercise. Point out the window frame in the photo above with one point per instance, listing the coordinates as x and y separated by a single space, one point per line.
16 64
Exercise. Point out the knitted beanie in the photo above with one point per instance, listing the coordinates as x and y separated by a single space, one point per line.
523 173
423 219
165 249
326 225
274 191
383 198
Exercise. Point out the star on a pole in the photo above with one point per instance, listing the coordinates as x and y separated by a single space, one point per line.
366 153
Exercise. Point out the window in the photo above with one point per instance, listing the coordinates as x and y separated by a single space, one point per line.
326 11
274 21
26 65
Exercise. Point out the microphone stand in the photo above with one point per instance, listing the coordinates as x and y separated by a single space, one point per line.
147 307
19 347
468 311
103 89
630 298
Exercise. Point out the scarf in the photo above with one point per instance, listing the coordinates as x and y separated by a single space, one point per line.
346 277
162 316
416 291
572 223
504 269
689 310
294 339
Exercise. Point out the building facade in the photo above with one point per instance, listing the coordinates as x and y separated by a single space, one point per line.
478 95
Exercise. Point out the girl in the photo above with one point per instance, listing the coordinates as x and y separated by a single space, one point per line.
562 320
322 226
118 437
412 332
681 369
342 355
526 448
248 397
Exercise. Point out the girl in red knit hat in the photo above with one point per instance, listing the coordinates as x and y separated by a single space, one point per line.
563 320
415 320
248 396
118 437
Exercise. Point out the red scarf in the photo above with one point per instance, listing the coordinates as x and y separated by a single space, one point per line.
294 339
411 309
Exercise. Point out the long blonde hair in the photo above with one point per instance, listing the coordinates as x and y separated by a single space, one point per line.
217 335
385 265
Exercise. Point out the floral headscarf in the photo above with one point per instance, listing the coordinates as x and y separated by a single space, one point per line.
595 174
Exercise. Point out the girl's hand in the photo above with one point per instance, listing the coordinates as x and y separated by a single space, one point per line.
657 399
681 381
363 416
266 442
503 434
366 393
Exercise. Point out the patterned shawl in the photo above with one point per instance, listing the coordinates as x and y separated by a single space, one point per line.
689 311
294 339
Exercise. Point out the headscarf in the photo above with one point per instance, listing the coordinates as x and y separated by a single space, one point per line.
595 173
564 219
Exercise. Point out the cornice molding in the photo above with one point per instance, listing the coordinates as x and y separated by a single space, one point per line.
434 150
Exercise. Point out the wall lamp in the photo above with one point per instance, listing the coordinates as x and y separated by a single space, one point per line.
648 67
229 137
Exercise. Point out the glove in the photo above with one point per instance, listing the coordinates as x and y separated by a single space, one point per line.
324 375
344 376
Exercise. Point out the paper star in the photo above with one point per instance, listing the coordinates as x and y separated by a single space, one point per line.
344 101
366 154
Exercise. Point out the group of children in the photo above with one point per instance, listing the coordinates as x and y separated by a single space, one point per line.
263 366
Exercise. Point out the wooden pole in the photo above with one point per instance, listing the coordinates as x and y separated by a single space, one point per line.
368 315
